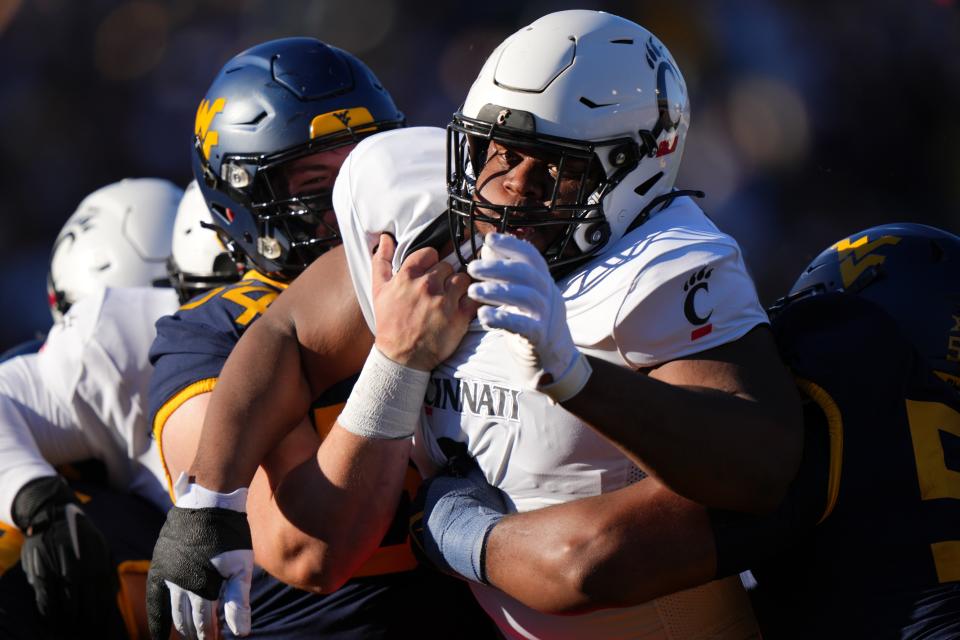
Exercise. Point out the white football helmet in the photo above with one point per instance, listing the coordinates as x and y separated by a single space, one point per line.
200 260
586 86
119 236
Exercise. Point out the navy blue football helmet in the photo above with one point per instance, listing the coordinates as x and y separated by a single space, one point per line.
912 271
271 106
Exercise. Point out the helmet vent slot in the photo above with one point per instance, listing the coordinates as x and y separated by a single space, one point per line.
256 120
622 41
648 184
595 105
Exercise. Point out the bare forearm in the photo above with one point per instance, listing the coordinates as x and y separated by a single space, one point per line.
260 396
730 445
332 510
618 549
302 345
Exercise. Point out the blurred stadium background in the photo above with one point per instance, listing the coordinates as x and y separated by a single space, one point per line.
810 119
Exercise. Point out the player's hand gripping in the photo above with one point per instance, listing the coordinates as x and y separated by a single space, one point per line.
515 281
422 311
66 559
204 548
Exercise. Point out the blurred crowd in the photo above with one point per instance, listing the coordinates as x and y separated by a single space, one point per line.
810 120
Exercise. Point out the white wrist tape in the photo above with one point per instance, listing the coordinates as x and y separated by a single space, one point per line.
191 495
386 400
571 382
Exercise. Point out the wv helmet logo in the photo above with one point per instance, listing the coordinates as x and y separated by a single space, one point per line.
343 116
698 281
205 114
354 119
856 256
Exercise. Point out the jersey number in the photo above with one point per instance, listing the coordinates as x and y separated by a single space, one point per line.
937 481
252 307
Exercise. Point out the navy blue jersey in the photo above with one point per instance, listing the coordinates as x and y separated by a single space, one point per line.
388 596
867 544
192 345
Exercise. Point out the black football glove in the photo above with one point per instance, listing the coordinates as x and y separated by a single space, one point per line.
453 514
197 552
66 560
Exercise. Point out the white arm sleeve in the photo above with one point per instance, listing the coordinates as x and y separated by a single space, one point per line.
97 365
684 302
21 459
83 396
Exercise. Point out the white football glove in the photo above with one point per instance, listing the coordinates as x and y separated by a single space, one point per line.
523 299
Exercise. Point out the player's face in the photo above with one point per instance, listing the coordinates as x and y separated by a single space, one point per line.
314 173
518 176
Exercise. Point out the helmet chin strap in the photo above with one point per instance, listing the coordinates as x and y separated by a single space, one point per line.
665 198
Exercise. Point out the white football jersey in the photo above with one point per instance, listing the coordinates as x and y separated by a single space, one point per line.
673 287
373 195
84 396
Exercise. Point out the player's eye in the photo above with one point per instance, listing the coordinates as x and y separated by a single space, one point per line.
505 156
510 158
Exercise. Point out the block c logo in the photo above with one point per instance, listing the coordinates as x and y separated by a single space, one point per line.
697 282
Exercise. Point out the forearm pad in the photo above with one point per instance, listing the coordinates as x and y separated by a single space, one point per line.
453 517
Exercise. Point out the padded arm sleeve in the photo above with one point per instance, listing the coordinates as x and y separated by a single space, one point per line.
20 457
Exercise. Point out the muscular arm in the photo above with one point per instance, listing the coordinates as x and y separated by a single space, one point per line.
644 541
293 493
255 433
617 549
310 338
722 427
317 515
21 459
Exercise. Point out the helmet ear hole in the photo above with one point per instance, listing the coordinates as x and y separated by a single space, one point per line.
592 234
623 156
600 234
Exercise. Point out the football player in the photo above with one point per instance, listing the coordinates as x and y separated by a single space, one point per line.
864 544
271 134
602 208
80 400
